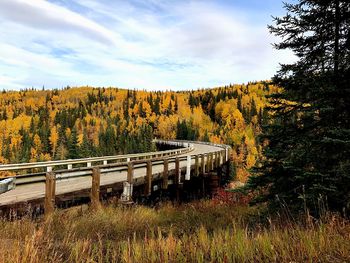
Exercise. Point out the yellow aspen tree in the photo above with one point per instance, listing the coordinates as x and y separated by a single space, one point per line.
54 139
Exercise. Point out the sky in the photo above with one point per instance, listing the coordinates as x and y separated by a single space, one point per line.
137 44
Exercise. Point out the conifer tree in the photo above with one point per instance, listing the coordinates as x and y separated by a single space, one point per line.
307 158
73 147
86 148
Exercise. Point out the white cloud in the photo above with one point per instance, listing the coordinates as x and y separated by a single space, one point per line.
183 44
44 15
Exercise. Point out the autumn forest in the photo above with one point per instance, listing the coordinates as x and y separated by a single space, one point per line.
38 125
118 75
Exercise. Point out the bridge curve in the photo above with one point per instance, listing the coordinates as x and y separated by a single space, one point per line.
110 173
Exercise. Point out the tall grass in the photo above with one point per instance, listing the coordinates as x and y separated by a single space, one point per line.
203 231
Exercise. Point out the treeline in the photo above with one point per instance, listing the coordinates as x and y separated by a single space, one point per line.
39 125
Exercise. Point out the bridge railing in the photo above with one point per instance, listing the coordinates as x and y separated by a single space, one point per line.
200 163
23 177
49 165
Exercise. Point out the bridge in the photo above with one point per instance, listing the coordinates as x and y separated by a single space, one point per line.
49 184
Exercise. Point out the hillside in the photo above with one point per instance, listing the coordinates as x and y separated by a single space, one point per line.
39 125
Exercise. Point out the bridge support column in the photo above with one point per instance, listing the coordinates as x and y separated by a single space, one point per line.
196 173
211 157
177 171
207 166
177 178
217 159
50 193
215 156
213 161
165 174
202 164
188 168
95 188
126 197
148 182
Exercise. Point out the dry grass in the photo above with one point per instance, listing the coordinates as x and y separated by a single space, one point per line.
203 231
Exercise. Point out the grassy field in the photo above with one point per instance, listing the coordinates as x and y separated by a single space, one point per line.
204 231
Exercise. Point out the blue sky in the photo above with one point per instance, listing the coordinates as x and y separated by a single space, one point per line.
143 44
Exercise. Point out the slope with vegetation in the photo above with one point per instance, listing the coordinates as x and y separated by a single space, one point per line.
41 125
301 161
206 231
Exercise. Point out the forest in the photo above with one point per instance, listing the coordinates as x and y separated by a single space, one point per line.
290 139
68 123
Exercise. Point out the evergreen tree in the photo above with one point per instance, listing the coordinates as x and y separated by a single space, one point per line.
206 136
142 112
307 158
32 126
107 141
185 131
126 107
156 106
191 100
239 103
253 110
176 106
86 148
169 109
26 145
73 147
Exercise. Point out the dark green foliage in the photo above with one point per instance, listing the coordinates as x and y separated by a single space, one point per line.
144 139
107 141
253 110
308 155
239 103
230 173
87 148
142 112
185 131
156 106
140 141
73 147
206 136
168 110
26 145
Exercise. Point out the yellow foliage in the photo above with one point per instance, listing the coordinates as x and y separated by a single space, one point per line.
214 114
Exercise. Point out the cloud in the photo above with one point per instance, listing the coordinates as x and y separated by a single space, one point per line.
47 16
148 44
